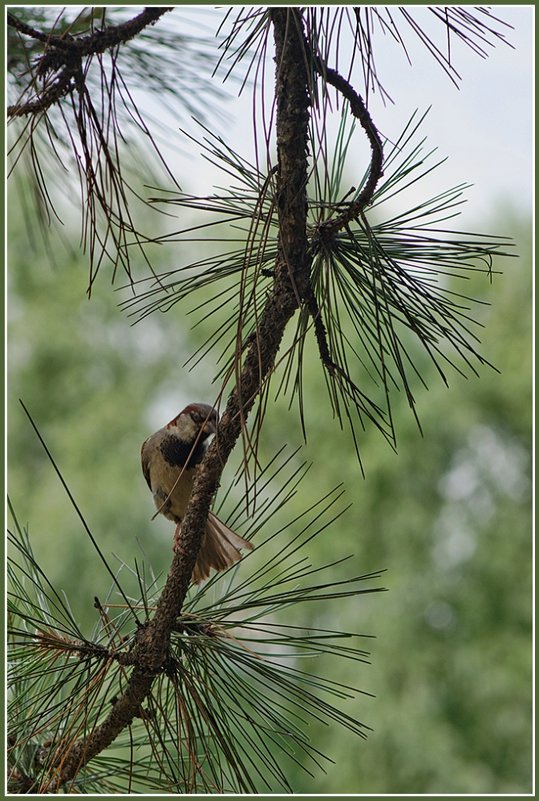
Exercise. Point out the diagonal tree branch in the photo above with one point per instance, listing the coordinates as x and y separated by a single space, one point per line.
291 277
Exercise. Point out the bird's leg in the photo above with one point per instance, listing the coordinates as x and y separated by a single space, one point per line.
176 546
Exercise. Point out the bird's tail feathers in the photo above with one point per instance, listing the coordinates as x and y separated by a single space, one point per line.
219 550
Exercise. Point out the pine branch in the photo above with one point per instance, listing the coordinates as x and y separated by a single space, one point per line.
291 274
65 54
359 110
76 107
386 286
206 722
327 230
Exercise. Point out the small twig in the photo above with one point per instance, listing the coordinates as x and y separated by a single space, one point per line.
52 641
334 369
359 110
64 54
329 228
27 30
319 327
98 42
61 86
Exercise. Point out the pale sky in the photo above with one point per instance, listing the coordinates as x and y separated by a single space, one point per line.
485 127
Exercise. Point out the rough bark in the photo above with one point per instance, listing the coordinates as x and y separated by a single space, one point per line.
291 278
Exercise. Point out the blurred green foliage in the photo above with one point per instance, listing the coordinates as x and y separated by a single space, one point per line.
449 516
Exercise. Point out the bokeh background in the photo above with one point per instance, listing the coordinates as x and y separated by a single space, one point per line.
448 517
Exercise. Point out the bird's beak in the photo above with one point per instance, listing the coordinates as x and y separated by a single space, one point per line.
209 427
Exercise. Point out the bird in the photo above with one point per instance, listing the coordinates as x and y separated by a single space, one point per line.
169 460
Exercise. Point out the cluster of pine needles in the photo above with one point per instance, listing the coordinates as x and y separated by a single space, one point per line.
384 285
233 704
236 698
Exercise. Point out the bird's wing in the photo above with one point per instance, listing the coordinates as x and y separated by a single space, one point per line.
145 460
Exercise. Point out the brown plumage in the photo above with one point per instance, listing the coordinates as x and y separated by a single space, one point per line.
169 459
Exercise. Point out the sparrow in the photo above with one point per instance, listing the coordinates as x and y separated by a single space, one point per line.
169 460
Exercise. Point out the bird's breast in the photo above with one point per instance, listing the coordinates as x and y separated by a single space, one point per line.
170 481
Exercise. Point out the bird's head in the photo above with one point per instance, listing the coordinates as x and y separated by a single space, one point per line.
196 421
